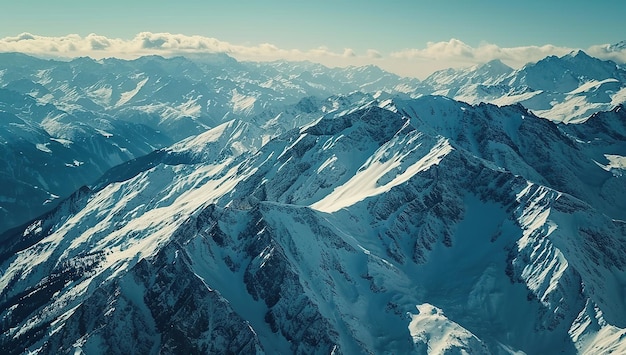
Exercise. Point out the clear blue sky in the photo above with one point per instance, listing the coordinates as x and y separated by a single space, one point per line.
397 31
384 25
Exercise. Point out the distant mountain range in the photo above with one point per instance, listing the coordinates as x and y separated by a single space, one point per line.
118 110
568 89
66 123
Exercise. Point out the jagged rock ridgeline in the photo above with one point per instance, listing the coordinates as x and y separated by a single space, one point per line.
383 225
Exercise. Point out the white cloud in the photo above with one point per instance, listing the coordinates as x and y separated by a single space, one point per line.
411 62
349 52
457 51
608 52
167 44
152 43
374 54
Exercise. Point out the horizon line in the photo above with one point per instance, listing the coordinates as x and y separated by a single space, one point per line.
411 63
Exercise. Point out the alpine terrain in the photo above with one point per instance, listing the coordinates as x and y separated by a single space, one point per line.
63 124
279 208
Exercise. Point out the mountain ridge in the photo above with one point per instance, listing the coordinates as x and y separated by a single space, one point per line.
444 228
162 100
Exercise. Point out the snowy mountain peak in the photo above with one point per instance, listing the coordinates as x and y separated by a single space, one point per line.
449 82
617 47
497 64
578 62
568 88
579 55
493 71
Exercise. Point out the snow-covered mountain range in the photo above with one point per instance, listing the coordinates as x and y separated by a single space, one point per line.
81 117
568 89
389 225
298 214
65 123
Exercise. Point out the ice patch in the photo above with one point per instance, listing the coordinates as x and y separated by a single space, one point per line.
616 161
104 133
591 85
74 164
242 104
50 199
44 77
616 165
43 147
126 96
619 97
327 163
365 184
66 142
197 143
190 108
101 95
434 333
513 99
573 109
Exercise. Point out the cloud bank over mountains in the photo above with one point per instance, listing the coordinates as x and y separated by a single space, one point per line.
417 62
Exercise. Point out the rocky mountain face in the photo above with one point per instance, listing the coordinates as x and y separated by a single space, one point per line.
578 159
373 225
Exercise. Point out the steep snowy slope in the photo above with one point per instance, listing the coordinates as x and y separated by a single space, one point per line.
374 229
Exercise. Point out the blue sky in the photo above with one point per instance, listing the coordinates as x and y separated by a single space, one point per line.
382 27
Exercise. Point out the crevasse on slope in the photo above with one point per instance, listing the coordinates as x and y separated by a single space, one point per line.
209 248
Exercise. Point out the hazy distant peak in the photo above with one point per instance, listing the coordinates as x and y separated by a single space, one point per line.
617 47
578 54
496 63
495 66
